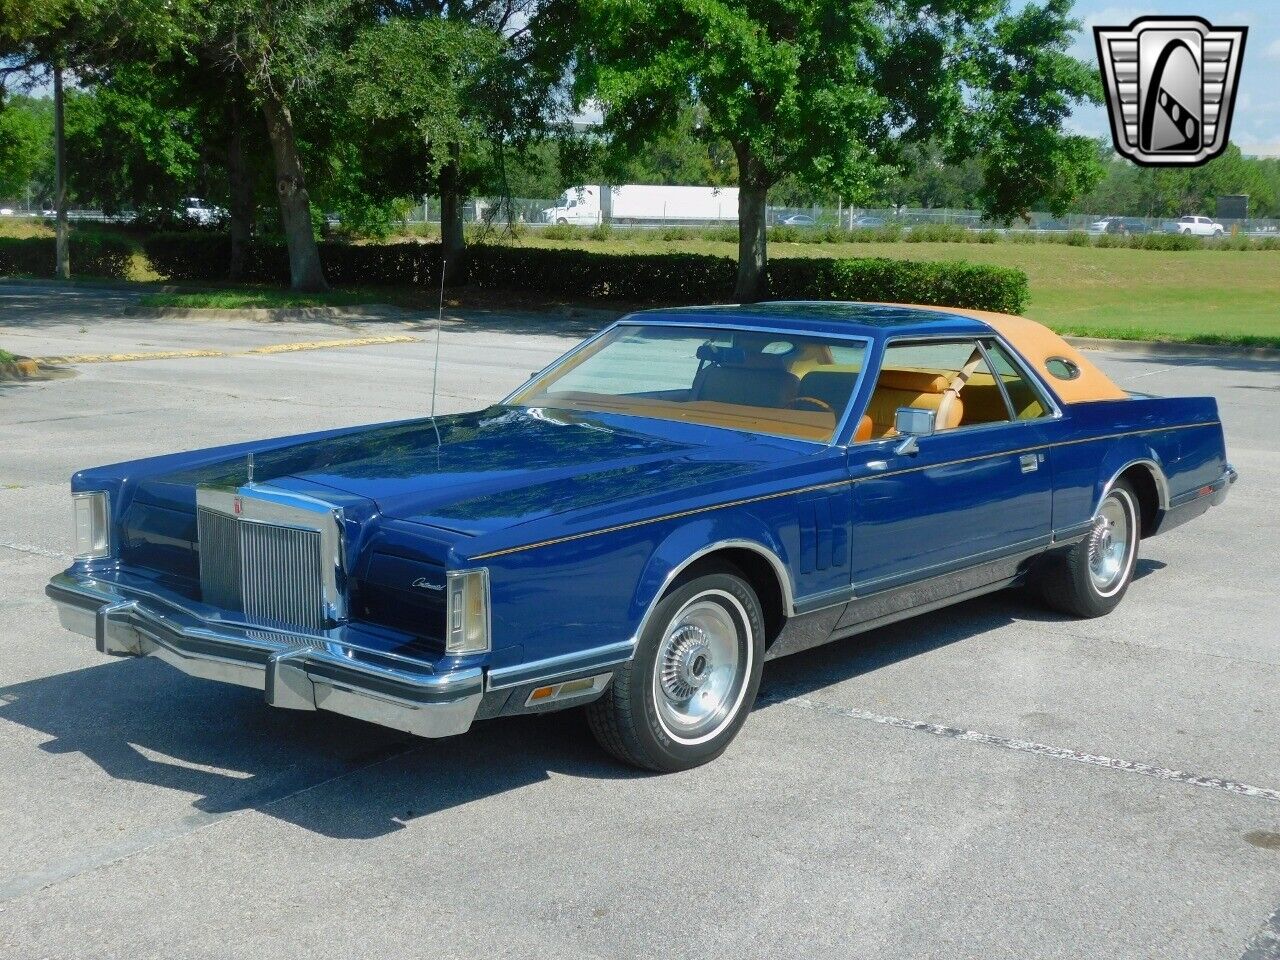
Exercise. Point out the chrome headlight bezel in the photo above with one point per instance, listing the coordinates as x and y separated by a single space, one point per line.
91 524
468 622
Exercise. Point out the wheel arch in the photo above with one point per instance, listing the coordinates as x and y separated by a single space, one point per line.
1149 482
760 564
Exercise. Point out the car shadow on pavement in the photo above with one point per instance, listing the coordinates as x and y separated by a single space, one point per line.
141 721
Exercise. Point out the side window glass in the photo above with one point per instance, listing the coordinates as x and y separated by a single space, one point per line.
1026 399
951 378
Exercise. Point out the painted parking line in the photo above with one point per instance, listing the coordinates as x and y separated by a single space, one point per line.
1034 748
70 359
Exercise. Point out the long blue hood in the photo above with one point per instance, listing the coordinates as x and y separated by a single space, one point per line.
507 465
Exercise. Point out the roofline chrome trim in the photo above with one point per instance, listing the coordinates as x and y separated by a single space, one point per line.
829 485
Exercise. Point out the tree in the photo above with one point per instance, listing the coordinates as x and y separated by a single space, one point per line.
61 36
829 92
280 49
26 135
417 82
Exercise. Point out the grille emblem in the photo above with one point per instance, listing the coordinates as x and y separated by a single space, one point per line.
237 506
1171 88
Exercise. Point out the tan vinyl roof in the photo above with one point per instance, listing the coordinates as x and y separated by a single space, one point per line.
1038 344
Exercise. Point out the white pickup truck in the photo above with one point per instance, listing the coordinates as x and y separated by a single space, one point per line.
1198 226
642 204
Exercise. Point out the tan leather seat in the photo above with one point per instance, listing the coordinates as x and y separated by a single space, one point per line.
910 388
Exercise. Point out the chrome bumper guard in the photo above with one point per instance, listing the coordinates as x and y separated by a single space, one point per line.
296 672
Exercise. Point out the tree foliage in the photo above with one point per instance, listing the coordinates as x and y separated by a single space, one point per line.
830 92
26 153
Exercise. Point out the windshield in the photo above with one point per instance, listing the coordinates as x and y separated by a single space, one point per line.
772 383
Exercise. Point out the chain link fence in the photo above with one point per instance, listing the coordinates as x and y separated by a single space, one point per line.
530 212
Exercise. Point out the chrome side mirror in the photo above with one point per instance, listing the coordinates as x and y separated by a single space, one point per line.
912 423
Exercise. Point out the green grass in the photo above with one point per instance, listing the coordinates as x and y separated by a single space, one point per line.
239 299
1201 296
6 356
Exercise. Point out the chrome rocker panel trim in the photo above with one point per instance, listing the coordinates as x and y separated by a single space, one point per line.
295 672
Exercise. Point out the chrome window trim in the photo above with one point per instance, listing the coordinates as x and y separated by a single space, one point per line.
1032 377
557 363
995 375
633 321
976 339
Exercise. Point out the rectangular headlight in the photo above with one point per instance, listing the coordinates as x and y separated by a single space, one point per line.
467 612
93 524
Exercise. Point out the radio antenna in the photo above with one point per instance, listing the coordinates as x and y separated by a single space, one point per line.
435 369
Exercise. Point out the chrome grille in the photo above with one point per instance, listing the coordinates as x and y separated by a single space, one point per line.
272 573
219 559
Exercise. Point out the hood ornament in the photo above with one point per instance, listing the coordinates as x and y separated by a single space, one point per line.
249 469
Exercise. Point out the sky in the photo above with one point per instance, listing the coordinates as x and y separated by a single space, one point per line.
1255 127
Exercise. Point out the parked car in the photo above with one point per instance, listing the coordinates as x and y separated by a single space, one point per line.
798 220
644 522
6 212
866 220
1120 225
200 212
1198 226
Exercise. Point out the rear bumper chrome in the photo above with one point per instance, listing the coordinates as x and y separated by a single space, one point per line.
296 672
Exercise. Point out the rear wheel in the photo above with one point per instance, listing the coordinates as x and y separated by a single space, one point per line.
694 677
1092 577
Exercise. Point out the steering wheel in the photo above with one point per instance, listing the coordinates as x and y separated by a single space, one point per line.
821 405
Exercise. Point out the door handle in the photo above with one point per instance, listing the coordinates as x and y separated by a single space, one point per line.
1029 462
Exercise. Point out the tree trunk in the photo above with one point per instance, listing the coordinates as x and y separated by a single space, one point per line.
62 245
305 271
753 193
241 190
453 241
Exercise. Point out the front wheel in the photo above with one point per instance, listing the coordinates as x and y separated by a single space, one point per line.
1092 577
694 677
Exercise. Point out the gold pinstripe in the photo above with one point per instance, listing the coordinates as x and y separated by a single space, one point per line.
828 486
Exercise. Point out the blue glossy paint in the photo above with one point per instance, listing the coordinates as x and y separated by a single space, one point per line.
583 519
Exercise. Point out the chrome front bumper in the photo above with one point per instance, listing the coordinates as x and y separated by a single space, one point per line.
296 672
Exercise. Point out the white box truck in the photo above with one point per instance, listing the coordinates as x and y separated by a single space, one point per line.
640 204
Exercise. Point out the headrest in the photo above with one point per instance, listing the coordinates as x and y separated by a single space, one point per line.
915 381
724 356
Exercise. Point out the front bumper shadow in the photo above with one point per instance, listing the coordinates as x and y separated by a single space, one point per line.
295 672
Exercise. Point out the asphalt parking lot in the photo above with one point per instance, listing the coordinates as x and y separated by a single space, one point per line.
990 781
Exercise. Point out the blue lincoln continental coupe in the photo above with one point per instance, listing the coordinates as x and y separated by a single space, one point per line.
642 524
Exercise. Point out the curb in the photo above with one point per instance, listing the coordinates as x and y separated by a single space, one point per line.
1165 348
271 348
89 284
21 368
270 314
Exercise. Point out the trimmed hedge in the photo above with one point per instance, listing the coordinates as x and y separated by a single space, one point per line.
92 255
583 274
